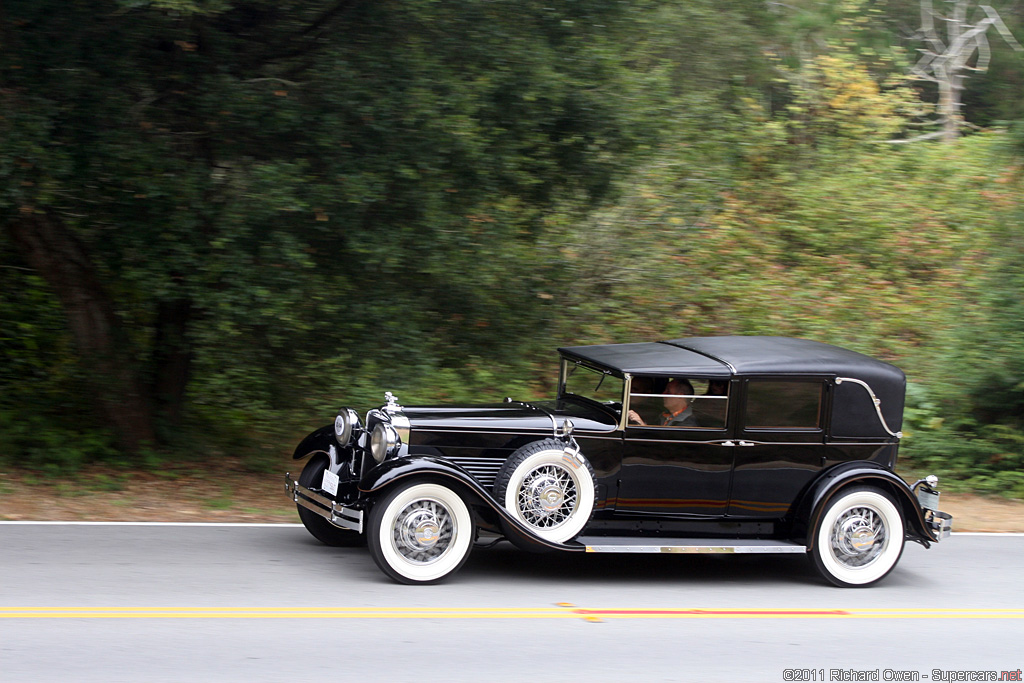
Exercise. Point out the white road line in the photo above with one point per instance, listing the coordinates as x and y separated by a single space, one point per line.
178 524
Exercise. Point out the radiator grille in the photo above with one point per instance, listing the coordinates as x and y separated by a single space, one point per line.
484 470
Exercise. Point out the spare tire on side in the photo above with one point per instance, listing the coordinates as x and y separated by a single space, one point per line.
548 488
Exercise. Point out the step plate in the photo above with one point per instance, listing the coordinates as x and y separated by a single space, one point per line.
599 544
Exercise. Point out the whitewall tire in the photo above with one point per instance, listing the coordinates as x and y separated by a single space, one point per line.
325 532
420 532
859 537
551 493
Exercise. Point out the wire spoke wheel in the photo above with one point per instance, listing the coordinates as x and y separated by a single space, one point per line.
420 532
423 531
859 537
548 496
549 490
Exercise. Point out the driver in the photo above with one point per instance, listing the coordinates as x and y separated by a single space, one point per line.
678 413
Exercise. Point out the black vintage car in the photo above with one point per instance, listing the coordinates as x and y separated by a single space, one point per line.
701 445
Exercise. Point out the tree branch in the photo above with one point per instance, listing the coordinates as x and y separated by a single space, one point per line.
997 21
919 138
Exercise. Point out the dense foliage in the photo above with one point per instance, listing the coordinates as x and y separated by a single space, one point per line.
221 219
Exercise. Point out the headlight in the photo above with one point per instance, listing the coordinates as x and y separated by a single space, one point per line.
384 441
345 423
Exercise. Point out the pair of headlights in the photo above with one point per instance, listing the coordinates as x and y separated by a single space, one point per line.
384 441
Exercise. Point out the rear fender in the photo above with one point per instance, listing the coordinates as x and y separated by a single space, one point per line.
834 480
392 471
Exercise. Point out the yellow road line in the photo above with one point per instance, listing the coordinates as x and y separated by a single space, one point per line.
282 613
561 612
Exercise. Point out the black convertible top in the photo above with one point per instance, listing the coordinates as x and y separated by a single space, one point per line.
854 414
723 357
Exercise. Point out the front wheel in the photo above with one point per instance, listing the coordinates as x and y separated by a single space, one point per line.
859 538
420 532
312 478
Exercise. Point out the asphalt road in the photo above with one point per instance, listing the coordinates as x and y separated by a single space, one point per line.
252 603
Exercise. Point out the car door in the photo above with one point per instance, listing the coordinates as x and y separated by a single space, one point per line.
779 444
681 471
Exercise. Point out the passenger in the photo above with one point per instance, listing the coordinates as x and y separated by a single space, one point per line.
678 395
717 387
710 412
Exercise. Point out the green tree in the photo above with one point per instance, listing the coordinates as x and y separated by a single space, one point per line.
215 192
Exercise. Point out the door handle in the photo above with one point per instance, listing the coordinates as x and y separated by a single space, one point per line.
747 443
727 443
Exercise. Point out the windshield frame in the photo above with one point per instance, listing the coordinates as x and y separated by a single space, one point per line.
563 378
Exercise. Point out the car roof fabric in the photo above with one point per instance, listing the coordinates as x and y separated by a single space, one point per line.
649 358
725 356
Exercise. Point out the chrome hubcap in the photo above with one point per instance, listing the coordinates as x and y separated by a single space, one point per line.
858 536
547 496
423 531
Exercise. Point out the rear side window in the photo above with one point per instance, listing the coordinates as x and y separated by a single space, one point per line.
772 404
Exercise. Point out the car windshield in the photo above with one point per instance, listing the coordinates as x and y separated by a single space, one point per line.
582 380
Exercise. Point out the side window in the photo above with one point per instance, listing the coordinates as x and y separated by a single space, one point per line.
773 404
711 402
678 402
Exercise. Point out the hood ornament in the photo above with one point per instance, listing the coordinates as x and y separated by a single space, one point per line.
392 403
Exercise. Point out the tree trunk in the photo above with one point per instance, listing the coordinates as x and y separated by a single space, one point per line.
949 109
49 247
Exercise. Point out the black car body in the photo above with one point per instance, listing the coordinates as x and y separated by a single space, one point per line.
711 444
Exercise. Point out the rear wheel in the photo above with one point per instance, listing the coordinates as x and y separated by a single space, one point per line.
420 532
312 478
859 538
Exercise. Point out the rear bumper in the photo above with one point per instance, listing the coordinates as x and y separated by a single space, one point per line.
338 515
941 524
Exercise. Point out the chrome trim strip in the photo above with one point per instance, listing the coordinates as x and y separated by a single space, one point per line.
473 430
694 396
627 392
689 546
713 357
314 497
875 400
714 442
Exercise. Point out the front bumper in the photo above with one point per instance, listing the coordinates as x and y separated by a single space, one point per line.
338 515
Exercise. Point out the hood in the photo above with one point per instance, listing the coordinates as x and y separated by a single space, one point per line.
518 416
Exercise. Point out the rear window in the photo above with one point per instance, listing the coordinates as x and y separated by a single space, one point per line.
773 404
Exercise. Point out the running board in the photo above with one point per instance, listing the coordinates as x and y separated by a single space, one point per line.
632 544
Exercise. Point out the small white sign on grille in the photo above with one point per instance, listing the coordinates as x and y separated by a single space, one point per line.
330 482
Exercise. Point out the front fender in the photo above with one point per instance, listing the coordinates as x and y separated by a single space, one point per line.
833 480
319 441
394 470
